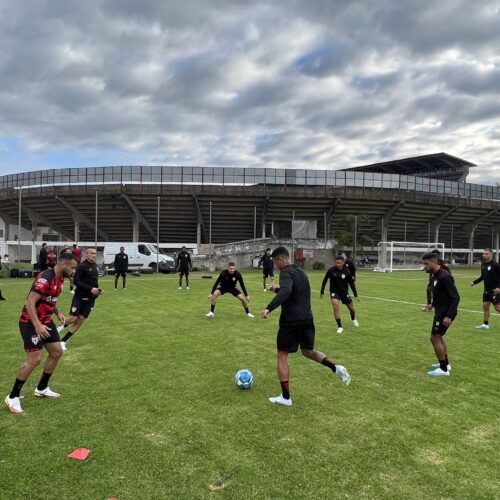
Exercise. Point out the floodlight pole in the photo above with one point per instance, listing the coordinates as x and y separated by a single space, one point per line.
324 222
293 246
451 245
158 237
96 216
254 231
404 248
355 237
19 231
210 238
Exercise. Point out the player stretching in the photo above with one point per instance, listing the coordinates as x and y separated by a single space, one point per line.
38 330
226 283
183 265
445 301
86 281
296 325
490 275
443 265
266 261
340 280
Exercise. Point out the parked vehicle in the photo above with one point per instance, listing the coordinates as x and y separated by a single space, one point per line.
141 256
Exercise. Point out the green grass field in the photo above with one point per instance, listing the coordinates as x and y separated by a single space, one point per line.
147 385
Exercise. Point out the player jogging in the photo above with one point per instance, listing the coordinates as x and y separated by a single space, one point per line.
86 281
121 267
340 281
349 265
266 261
226 283
296 324
490 275
184 265
443 265
39 331
445 300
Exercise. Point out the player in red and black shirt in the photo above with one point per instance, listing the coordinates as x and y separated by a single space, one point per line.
443 265
38 330
296 324
226 283
340 281
490 276
445 300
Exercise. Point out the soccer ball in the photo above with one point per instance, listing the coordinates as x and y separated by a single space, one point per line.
243 379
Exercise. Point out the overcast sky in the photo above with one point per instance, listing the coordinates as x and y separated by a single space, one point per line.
301 83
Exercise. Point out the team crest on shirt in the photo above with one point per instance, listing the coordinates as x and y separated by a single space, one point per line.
73 309
35 339
489 268
437 323
343 276
234 279
435 282
41 281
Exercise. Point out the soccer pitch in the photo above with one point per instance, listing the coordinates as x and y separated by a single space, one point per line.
147 385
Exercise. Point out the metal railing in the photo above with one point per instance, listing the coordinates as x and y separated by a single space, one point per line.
236 176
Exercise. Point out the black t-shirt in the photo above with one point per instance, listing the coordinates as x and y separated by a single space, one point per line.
445 298
351 267
490 274
340 280
86 277
227 281
121 262
267 262
294 297
183 260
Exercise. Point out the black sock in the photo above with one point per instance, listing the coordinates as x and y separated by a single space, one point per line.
264 282
246 309
285 389
71 288
212 307
124 281
16 390
353 315
328 362
446 360
67 337
485 322
443 365
116 283
339 323
187 282
44 381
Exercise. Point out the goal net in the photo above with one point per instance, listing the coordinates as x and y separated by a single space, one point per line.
404 255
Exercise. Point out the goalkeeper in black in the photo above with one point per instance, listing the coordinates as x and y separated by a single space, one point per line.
226 283
340 281
184 265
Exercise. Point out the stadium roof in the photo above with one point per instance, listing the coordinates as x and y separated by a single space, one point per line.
436 166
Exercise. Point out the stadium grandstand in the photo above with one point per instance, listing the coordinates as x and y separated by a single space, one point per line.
425 199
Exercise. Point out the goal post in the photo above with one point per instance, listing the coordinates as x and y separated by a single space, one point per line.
404 255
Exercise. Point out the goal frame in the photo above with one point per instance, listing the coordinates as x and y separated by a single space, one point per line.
386 250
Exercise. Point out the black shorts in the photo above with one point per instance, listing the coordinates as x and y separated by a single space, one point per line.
491 297
437 324
32 342
344 297
291 336
232 291
268 273
119 272
81 305
183 272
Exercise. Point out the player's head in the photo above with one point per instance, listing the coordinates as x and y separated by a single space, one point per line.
44 245
436 251
268 251
281 257
67 264
91 254
122 249
429 261
183 249
231 267
340 261
74 245
488 255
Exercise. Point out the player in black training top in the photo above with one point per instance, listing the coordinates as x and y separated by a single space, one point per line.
340 281
86 280
445 300
121 267
490 275
266 261
296 325
443 265
183 265
226 283
349 265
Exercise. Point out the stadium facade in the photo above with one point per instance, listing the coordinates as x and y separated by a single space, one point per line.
424 199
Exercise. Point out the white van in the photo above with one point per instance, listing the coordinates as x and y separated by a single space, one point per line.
141 256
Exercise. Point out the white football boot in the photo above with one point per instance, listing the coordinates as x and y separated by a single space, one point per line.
280 400
210 314
355 322
341 372
47 393
437 365
438 373
483 327
250 315
14 404
63 346
340 329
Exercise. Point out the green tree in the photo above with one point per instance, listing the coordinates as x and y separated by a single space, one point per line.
345 237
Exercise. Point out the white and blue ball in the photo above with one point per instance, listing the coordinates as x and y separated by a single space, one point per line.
244 379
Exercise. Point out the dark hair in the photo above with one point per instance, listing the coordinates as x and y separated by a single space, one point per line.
66 257
429 256
268 249
229 264
339 257
280 252
74 245
44 244
436 251
488 250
